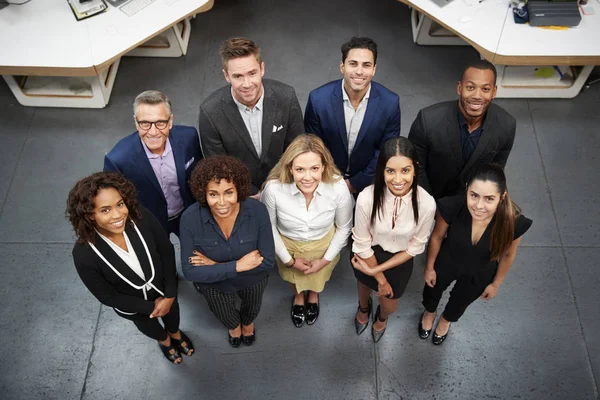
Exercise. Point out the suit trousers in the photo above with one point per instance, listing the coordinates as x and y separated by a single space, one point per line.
222 304
151 327
468 287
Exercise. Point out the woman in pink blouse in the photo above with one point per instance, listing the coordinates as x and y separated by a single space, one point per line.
392 223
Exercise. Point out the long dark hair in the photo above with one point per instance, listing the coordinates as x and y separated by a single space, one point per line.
80 203
399 146
507 212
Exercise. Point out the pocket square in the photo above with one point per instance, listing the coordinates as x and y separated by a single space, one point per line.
187 164
277 128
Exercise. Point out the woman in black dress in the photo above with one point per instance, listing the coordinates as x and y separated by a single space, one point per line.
126 260
474 243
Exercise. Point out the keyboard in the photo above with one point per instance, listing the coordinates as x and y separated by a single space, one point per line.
135 6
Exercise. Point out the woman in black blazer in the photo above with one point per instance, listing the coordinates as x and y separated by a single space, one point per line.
126 260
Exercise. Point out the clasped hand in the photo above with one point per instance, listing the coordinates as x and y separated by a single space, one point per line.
246 263
360 264
310 267
162 306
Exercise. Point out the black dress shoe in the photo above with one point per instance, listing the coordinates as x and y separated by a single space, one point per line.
170 352
424 333
184 345
250 339
312 313
234 341
437 339
375 334
360 328
298 314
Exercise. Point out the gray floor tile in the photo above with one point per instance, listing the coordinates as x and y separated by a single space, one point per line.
47 323
496 343
582 264
567 136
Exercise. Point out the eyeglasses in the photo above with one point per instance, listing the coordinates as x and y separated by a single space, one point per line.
160 124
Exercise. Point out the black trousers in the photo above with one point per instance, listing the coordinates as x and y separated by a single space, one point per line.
469 286
151 327
222 304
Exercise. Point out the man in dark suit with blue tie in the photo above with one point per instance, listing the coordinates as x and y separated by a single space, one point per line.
354 116
159 159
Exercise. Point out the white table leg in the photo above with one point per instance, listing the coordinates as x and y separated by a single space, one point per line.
423 35
171 43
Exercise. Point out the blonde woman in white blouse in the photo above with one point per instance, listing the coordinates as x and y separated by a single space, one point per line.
311 213
392 224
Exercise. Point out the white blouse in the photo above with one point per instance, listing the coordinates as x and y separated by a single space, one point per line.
394 228
332 204
129 257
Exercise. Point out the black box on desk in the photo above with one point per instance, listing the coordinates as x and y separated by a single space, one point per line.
553 12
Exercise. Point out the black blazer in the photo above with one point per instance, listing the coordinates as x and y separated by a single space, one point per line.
222 129
113 291
436 136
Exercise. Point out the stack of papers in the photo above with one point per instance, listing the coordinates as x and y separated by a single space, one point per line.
87 8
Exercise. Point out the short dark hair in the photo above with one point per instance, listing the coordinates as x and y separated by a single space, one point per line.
398 146
362 42
481 65
214 169
238 47
80 202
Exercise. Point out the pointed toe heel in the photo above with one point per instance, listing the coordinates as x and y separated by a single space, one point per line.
360 327
375 334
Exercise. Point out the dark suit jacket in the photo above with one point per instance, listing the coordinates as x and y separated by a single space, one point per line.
324 117
113 291
129 158
436 136
222 129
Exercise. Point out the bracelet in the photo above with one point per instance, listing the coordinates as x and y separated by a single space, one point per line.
293 263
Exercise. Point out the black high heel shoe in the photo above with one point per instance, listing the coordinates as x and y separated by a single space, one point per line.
166 350
437 339
424 333
298 314
360 328
183 348
375 333
250 339
235 342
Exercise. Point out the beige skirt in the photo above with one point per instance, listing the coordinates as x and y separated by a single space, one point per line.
311 250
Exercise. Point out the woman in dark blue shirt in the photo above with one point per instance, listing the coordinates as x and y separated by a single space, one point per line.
227 244
474 243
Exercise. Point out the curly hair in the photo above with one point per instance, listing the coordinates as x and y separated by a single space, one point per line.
80 203
214 169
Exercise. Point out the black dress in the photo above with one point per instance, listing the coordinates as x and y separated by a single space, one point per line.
461 261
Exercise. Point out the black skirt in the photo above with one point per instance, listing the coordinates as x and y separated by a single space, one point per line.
397 277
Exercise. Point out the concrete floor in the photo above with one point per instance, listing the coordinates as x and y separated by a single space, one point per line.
535 340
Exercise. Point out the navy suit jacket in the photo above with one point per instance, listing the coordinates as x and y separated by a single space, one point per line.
324 117
129 158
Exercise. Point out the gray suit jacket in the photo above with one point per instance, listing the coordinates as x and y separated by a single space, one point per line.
222 129
436 136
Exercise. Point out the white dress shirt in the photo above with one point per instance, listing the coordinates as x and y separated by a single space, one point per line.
128 256
394 229
253 120
354 117
331 205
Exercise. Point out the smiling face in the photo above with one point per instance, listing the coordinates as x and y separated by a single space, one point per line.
483 198
399 175
307 171
222 198
476 91
110 212
245 75
358 69
153 137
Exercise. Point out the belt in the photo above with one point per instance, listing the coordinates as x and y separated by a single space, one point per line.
175 216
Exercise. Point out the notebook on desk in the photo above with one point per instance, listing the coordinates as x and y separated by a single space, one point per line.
442 3
130 7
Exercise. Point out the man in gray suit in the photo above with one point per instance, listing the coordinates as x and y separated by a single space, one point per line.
251 118
454 137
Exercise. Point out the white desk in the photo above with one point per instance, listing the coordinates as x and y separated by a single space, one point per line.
42 39
516 49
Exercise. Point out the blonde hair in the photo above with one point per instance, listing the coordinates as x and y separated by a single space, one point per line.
304 143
